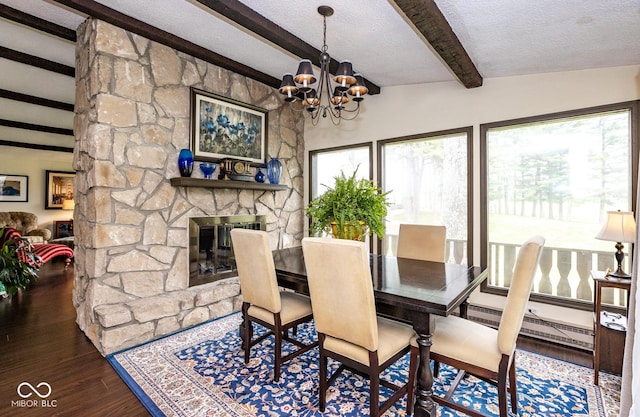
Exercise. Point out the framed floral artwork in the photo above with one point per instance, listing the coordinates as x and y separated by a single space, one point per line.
225 128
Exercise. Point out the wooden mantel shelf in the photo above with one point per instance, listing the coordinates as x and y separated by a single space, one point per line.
211 183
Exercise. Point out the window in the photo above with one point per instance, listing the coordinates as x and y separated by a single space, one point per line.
325 164
556 176
429 179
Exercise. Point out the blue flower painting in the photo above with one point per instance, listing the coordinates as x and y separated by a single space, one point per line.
223 128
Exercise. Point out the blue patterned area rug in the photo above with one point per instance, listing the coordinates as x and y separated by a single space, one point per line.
201 372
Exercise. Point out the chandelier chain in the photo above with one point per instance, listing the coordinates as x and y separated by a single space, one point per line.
324 35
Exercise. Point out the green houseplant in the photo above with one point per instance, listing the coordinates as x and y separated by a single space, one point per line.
18 264
352 209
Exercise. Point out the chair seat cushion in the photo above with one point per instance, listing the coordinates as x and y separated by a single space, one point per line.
392 338
294 307
466 341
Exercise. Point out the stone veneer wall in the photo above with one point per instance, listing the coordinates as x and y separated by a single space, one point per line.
132 118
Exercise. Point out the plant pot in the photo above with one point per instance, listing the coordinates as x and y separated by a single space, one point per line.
350 231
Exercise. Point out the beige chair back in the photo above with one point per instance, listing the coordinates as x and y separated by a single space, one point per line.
341 290
254 260
518 296
421 241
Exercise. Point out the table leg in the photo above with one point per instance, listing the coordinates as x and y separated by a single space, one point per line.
424 405
464 307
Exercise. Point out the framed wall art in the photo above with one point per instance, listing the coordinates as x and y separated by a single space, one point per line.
14 188
59 187
62 228
225 128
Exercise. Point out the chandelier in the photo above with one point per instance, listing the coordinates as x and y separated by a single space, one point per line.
322 96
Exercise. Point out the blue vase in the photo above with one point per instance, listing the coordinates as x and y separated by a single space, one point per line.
185 162
274 170
259 176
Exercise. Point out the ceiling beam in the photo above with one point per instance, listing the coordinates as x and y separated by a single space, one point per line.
35 146
37 23
431 23
36 61
38 128
258 24
40 101
99 11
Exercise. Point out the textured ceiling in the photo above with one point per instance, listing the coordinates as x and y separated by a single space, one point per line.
502 38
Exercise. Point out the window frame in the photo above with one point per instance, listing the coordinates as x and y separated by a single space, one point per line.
313 153
468 131
634 110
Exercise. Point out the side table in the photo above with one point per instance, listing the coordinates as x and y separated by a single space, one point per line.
610 328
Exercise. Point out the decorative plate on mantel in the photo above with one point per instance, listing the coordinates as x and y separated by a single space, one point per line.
240 177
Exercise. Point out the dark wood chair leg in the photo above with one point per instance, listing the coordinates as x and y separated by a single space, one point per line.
436 369
323 375
248 332
278 347
502 392
411 382
374 388
513 387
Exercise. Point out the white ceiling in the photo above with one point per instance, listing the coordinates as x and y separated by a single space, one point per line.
502 38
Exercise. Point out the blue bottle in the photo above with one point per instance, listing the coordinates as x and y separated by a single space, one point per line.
259 176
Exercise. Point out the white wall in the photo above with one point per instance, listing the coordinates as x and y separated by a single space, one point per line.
34 163
407 110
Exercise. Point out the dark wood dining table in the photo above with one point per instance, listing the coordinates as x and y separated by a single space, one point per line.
409 290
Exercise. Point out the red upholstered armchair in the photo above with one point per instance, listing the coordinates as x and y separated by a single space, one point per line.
44 252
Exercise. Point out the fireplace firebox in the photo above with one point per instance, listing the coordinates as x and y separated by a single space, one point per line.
210 251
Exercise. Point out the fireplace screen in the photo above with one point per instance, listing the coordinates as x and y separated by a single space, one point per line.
210 250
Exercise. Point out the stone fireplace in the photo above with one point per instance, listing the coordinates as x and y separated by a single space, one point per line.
131 223
210 250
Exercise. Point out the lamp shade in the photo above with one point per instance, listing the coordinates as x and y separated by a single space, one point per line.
620 226
288 87
339 98
305 76
311 100
68 204
344 76
359 89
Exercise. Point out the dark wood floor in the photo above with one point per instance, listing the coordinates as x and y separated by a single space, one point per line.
41 342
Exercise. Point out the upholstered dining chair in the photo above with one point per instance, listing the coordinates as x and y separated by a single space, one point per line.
262 301
483 351
422 241
348 329
426 242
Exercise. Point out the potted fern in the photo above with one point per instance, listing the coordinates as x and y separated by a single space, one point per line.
18 264
351 209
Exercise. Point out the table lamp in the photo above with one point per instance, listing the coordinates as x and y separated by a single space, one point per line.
619 227
68 204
